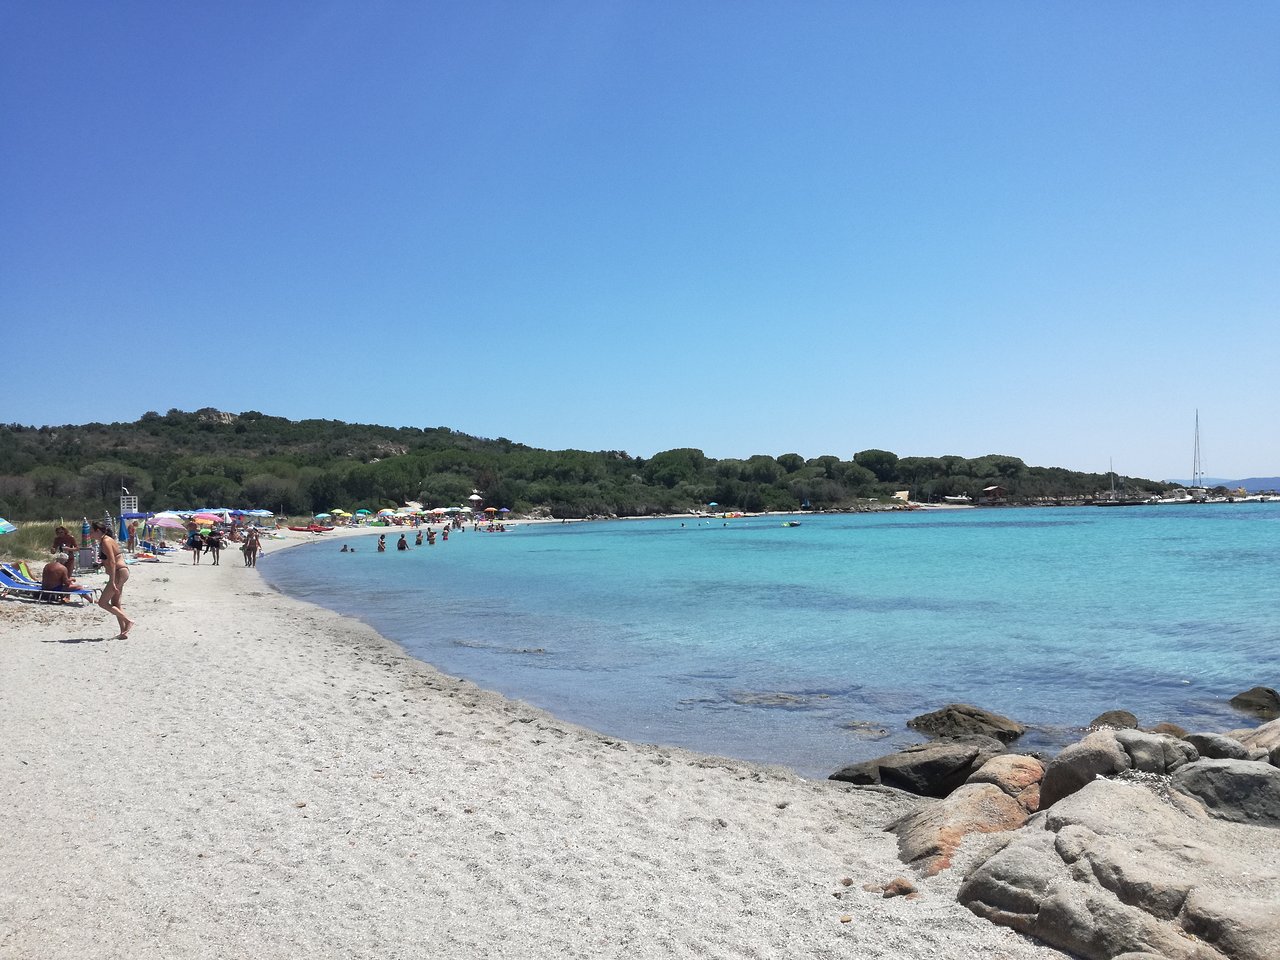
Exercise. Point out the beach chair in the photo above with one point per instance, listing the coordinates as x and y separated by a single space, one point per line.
20 572
13 584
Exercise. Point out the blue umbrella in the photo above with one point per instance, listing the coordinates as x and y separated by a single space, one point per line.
124 531
6 526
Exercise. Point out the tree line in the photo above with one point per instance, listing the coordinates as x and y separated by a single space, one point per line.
210 458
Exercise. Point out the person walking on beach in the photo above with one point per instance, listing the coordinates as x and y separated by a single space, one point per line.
117 572
251 547
213 544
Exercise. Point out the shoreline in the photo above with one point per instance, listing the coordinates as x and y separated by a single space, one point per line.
250 774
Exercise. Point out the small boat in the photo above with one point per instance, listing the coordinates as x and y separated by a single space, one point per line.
962 499
312 528
791 523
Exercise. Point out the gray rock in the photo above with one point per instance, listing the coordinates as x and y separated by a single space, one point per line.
929 769
1274 757
1098 754
1260 701
1154 752
1214 746
1114 869
1115 719
1241 928
1244 791
959 719
1266 736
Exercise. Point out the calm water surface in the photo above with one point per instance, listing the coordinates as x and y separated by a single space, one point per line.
811 646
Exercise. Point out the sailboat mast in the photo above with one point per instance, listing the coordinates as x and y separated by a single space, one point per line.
1197 472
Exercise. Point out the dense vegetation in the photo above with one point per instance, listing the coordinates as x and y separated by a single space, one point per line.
209 458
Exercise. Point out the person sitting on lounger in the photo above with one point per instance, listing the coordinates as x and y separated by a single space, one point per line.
56 577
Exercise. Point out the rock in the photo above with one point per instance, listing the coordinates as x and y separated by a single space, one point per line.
959 719
1030 798
1115 869
1011 772
1274 757
1214 746
1240 928
1155 753
929 769
1266 736
1169 730
1115 719
1262 702
898 887
1098 754
929 836
1243 791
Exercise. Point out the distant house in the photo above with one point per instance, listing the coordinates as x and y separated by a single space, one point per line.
993 494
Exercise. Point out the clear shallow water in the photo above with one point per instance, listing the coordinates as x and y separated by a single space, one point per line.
811 646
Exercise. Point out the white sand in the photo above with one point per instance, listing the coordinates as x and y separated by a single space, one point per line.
251 776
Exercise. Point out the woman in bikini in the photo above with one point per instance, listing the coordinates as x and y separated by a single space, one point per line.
117 574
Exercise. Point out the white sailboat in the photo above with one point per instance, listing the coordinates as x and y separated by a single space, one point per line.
1197 490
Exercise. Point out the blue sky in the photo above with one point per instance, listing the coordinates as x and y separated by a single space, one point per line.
1042 230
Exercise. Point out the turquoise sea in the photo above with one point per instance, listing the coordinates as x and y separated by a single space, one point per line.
811 646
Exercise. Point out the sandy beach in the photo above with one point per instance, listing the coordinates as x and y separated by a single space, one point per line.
251 776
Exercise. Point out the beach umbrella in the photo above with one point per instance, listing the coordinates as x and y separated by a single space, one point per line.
385 511
490 509
713 504
337 512
206 518
504 510
362 512
323 516
6 526
475 498
169 522
124 531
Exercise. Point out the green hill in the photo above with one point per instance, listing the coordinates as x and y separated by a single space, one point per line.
211 458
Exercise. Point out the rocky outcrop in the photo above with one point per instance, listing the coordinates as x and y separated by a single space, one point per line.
1098 754
1214 746
929 769
1262 702
999 796
1107 752
1265 737
1113 868
1244 791
962 719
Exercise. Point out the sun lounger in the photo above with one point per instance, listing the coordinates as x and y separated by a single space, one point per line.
12 583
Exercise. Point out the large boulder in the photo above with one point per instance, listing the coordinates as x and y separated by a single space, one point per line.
1154 752
1244 791
1115 719
962 719
1262 702
929 835
1098 754
1214 746
1266 736
929 769
1114 868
